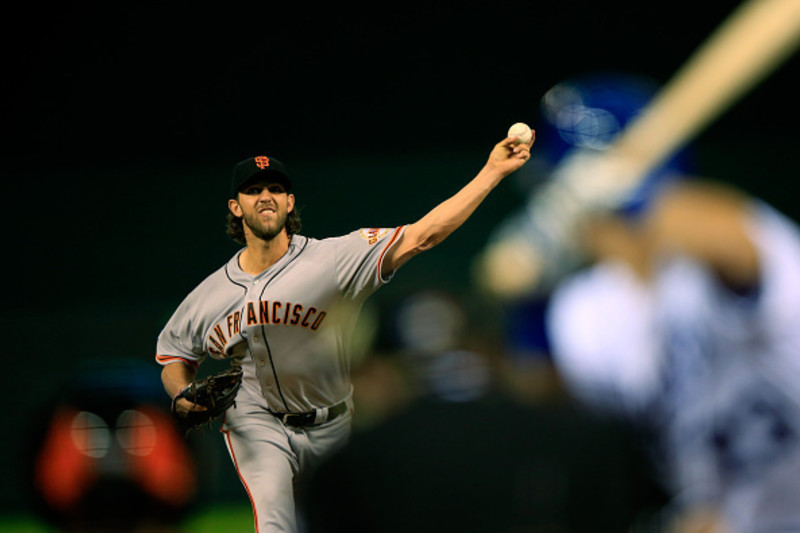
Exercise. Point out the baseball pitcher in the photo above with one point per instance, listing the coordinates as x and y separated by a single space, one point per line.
283 309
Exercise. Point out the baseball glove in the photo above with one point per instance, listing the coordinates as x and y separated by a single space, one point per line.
216 393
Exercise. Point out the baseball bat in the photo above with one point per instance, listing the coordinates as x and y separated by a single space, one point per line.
750 43
745 48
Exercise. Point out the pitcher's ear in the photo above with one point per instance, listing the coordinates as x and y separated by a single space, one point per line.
235 208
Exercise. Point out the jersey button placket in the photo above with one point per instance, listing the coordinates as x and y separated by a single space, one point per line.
259 350
261 359
258 347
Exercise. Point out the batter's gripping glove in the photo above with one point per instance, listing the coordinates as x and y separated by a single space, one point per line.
216 393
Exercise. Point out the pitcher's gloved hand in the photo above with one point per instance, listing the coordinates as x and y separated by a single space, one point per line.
216 393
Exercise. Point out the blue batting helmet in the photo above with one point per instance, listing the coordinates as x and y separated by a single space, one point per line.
589 112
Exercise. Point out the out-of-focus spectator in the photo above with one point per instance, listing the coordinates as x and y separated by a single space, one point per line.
107 455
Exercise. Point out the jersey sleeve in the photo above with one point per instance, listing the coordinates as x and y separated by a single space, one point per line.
777 313
359 259
180 341
601 331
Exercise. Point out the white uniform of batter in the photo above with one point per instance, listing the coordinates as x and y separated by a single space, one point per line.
717 374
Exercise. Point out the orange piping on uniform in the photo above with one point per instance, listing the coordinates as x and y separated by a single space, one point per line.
386 248
166 359
236 466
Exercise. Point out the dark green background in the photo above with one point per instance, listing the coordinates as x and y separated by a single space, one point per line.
122 123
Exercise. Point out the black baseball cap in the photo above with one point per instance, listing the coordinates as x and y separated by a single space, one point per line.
261 166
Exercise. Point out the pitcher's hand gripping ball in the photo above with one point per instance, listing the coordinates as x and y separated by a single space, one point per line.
216 393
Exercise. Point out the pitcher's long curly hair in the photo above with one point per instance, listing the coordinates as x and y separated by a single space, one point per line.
235 226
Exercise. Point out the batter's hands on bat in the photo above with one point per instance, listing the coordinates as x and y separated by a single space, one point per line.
509 155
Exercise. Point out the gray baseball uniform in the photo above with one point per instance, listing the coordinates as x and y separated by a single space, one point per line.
290 327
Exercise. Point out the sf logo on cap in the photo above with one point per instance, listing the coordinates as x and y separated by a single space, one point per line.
262 162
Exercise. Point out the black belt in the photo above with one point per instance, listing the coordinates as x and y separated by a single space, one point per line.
312 418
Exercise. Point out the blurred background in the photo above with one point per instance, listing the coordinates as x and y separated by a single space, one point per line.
123 122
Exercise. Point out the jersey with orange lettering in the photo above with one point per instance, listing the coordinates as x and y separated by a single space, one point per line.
289 326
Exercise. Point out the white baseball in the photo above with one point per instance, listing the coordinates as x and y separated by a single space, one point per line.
522 131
